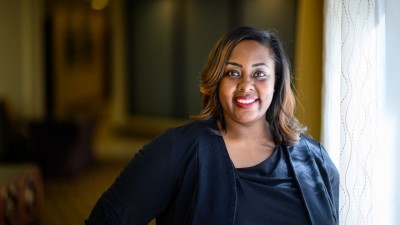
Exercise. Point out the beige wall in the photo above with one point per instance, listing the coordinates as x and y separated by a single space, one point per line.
308 61
10 52
79 59
20 65
21 70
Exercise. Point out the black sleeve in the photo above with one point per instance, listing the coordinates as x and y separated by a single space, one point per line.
331 179
144 188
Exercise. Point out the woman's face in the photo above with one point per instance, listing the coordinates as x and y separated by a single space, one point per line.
247 86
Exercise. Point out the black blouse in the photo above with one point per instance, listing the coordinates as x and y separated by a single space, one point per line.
268 194
185 176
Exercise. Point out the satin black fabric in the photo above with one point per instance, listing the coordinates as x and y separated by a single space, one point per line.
268 194
185 176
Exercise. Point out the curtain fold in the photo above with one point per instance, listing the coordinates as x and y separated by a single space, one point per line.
352 74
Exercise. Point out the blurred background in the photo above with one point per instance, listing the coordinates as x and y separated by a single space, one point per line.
85 83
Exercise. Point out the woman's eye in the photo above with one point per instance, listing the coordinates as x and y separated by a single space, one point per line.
260 74
233 73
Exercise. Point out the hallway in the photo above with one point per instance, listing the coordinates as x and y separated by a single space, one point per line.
69 200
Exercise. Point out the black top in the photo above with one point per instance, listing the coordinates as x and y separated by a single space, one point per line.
268 194
185 176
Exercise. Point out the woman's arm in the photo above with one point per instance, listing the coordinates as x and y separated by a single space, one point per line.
144 188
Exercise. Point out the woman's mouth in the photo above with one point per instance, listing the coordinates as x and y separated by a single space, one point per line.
245 102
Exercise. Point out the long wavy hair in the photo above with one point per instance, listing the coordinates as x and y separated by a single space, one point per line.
283 124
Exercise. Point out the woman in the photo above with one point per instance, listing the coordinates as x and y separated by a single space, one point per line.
244 161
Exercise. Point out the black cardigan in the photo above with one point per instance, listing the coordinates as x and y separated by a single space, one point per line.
185 176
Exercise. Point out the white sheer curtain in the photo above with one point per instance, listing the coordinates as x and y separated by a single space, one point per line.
353 72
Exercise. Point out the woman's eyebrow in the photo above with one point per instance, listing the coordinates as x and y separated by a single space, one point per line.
239 65
260 64
254 65
234 64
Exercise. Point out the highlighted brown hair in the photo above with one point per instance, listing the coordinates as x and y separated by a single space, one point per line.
284 126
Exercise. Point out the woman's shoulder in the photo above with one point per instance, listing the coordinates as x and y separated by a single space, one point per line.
191 129
314 146
309 140
185 134
317 150
175 144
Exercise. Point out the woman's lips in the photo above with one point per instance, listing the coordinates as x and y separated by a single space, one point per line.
245 102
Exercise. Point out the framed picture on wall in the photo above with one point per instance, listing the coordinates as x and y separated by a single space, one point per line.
77 74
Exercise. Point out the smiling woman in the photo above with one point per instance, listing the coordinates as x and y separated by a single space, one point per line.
245 92
245 160
248 80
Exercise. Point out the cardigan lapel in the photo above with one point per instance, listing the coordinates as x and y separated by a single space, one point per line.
311 184
216 173
216 188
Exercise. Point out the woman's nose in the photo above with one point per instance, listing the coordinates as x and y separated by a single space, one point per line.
245 85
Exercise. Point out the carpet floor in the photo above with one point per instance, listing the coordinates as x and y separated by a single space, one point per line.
68 201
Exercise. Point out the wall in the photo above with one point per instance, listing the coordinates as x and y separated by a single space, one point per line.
308 62
77 51
175 37
21 81
21 54
10 52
